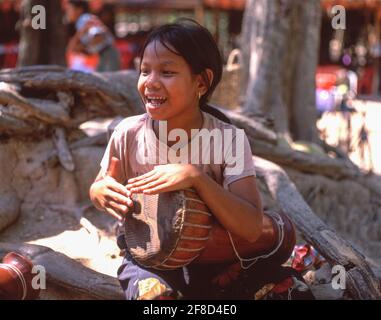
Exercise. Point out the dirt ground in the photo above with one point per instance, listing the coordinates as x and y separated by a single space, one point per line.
94 244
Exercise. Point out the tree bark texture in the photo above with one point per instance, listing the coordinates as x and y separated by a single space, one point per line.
42 46
280 49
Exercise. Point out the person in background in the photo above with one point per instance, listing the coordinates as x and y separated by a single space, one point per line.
105 12
92 39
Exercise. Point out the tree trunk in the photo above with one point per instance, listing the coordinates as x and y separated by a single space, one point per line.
280 46
42 46
303 104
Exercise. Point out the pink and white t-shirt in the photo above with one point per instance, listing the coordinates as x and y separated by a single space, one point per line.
219 149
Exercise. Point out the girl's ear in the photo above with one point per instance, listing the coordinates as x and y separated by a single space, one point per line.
206 80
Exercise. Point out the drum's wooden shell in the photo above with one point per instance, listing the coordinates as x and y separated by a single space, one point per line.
218 249
11 287
172 229
167 230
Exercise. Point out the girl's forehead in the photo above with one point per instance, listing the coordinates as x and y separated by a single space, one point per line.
156 52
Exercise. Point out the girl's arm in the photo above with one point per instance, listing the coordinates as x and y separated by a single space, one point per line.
238 209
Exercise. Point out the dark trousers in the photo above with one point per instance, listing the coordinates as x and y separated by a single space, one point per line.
195 281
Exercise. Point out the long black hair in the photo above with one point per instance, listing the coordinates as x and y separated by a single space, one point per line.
190 40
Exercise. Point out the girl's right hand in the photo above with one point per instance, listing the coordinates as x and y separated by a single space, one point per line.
109 195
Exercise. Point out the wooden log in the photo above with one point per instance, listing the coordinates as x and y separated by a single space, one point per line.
362 283
340 153
57 79
66 100
44 110
54 112
264 144
11 124
64 155
68 273
251 126
305 162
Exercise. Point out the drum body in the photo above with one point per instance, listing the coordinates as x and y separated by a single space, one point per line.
172 229
16 278
219 248
168 230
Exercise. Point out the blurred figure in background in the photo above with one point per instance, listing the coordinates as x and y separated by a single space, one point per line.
105 12
92 46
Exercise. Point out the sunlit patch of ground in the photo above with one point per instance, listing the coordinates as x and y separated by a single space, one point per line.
100 254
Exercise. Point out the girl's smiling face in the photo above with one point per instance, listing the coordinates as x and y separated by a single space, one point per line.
167 86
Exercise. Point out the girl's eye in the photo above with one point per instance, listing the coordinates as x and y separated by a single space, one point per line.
168 73
144 72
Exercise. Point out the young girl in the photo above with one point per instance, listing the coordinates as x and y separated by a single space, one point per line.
180 67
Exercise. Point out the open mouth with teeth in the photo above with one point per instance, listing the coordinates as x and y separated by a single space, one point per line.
156 101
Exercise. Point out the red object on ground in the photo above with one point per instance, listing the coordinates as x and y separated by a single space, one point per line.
305 257
16 278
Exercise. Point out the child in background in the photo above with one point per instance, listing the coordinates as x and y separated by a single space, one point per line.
92 47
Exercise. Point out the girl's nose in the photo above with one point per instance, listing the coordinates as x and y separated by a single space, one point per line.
153 82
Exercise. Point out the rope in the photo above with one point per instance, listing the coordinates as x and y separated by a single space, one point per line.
280 225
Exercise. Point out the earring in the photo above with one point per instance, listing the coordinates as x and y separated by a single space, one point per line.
199 95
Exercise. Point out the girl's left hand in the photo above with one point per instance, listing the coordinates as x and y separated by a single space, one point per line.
164 178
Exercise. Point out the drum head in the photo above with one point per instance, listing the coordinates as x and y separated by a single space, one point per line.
152 230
